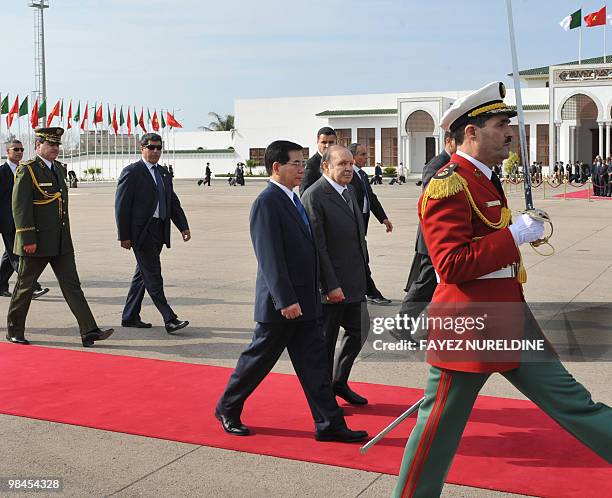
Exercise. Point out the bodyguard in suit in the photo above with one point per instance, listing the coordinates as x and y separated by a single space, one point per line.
326 137
10 261
368 203
340 238
145 203
287 306
42 236
422 279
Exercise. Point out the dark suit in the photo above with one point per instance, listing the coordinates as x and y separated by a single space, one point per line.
362 190
136 200
312 172
10 261
422 279
287 273
340 238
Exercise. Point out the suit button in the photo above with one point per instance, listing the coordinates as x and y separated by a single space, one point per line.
63 223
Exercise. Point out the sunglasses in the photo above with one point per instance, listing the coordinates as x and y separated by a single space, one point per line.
153 147
17 149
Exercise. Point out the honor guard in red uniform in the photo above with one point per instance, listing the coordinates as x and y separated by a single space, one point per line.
474 247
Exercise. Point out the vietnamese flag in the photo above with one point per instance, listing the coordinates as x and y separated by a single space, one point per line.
12 111
172 123
114 121
70 115
141 120
155 122
85 115
129 122
98 115
596 18
34 117
55 112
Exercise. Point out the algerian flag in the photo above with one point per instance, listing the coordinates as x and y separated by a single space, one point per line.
572 21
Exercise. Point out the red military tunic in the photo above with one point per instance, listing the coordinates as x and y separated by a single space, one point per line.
463 247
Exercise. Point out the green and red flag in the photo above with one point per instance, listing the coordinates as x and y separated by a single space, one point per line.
572 21
4 105
77 115
121 119
163 122
129 122
42 109
24 108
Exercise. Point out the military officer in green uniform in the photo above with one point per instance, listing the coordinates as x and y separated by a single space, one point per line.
40 209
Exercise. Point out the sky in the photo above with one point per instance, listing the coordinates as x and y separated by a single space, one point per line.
197 56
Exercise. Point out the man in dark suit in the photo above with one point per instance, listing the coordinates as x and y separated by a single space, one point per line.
145 203
9 263
422 279
42 237
287 305
368 203
340 238
326 137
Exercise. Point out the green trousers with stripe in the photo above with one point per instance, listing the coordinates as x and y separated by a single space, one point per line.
449 398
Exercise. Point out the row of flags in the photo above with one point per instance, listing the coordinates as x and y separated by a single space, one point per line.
591 20
131 119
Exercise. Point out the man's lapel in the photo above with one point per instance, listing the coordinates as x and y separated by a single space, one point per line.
337 199
290 207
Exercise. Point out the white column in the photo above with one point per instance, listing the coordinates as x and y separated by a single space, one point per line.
608 125
354 135
601 137
378 145
572 144
437 137
408 151
556 143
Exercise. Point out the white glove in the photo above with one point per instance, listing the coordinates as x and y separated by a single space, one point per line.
525 229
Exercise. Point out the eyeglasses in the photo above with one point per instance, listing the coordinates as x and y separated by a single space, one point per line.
297 164
17 149
153 147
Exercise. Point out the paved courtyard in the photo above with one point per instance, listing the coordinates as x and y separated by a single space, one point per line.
210 282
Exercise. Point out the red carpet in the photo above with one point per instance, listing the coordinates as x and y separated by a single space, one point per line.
581 194
509 445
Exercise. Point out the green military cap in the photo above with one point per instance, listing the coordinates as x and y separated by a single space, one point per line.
52 135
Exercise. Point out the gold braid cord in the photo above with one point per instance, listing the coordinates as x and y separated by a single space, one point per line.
440 188
48 198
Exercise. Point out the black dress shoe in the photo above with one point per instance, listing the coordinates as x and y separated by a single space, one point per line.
344 435
96 335
175 324
379 300
40 292
6 294
350 396
17 340
232 425
137 324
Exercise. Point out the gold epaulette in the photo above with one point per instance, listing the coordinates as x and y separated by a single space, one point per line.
28 229
445 183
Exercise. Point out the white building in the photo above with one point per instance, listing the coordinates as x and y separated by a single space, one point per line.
567 112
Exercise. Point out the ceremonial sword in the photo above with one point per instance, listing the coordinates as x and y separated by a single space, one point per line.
537 214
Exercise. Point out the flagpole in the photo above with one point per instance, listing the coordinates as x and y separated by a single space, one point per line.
606 23
580 45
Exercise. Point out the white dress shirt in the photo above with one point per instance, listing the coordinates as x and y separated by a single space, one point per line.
366 204
284 189
337 187
12 165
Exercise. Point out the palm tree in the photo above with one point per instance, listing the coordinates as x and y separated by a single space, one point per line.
221 123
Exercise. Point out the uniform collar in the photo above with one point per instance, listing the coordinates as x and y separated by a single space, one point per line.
480 165
46 161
